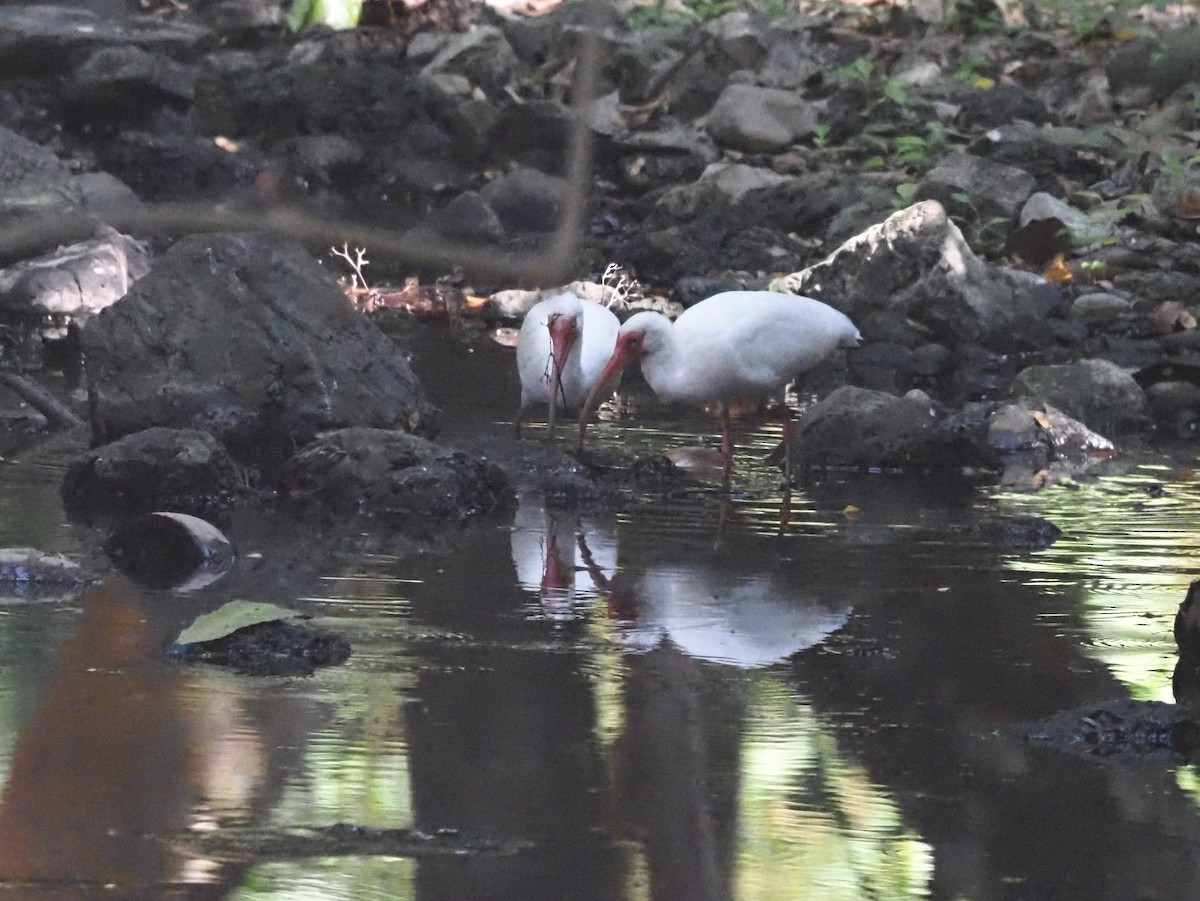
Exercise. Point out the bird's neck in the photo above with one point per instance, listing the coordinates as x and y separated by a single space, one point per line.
663 370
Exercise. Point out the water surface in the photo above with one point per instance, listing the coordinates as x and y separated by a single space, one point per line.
817 698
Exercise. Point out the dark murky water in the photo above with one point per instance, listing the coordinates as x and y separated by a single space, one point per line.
649 705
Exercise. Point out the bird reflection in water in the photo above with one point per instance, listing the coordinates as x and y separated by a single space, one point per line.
725 605
563 558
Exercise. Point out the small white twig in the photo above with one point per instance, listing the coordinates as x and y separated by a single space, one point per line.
357 262
623 289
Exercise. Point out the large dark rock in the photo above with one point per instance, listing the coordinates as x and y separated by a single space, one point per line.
1099 393
861 428
182 470
917 263
411 482
248 338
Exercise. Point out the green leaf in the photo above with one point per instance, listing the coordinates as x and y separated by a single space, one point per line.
893 90
339 14
233 616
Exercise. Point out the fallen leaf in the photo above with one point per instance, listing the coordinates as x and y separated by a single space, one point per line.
1057 270
1042 419
1170 316
1187 206
233 616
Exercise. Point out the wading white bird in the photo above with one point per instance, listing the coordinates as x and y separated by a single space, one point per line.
562 348
733 346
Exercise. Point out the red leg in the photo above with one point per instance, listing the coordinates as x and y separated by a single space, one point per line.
788 433
726 447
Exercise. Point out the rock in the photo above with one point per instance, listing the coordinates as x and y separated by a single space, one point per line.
1175 407
324 158
998 105
295 97
882 366
1101 309
742 36
734 180
695 83
471 122
537 39
73 282
1041 445
36 39
1097 392
532 134
273 648
673 153
170 550
249 338
1160 64
759 120
180 167
183 470
482 54
29 574
917 263
792 62
993 188
1051 153
34 180
862 428
127 85
412 483
1123 729
526 200
1159 286
1080 227
468 217
639 62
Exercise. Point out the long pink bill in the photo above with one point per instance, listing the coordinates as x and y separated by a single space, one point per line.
623 354
562 335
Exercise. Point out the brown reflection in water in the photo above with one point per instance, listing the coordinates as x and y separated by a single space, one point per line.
666 761
102 770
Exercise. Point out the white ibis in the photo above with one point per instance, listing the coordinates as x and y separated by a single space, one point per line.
561 350
733 346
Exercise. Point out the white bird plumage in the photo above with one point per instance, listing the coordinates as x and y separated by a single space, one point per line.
562 349
732 346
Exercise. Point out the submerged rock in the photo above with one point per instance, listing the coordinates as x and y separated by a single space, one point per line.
412 482
29 574
1120 729
274 648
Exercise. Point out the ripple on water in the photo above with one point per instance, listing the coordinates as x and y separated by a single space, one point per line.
1131 547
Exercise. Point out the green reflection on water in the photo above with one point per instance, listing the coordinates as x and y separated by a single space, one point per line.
1130 548
331 879
810 824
